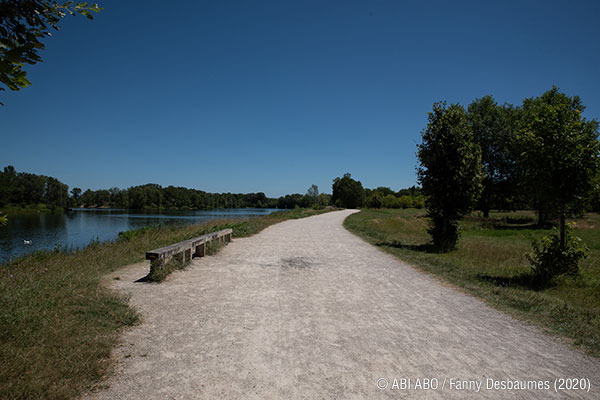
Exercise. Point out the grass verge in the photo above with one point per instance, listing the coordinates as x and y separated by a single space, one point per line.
490 264
58 323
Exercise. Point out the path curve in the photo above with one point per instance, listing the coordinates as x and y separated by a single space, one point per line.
306 310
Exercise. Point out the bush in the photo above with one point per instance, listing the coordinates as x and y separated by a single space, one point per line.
391 201
549 260
128 235
375 201
405 201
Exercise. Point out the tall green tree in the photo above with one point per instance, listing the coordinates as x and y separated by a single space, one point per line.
450 172
23 25
494 129
57 193
347 192
560 153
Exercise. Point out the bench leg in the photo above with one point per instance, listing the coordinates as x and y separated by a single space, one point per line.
179 257
201 250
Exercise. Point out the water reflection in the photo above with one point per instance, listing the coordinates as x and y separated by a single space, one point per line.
76 228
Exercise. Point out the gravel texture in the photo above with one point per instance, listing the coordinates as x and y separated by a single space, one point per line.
306 310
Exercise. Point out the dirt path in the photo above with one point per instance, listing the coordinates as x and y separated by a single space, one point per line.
306 310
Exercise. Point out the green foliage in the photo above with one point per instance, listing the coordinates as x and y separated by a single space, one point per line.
375 200
313 193
450 172
549 259
128 235
391 201
23 189
347 192
494 129
3 220
406 201
560 153
23 23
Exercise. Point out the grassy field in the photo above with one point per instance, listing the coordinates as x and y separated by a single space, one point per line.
490 263
58 324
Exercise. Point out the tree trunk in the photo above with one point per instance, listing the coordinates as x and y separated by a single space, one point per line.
562 227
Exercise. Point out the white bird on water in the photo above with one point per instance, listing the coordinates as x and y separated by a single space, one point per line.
26 241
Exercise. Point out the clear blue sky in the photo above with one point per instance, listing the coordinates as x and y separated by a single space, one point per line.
273 96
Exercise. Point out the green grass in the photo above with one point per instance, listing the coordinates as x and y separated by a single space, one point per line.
58 323
490 263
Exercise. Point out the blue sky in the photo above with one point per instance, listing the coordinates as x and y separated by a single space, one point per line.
273 96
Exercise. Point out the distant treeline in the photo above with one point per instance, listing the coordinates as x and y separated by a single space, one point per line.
384 197
25 190
22 190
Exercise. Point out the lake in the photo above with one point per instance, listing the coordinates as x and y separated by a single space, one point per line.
78 227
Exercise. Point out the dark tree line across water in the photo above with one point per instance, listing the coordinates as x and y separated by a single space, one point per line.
25 190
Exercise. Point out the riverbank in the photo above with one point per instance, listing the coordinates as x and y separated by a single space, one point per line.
490 264
58 324
12 210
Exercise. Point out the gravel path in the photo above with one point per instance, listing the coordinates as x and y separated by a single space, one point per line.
306 310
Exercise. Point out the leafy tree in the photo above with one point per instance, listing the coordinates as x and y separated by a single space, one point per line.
406 201
375 200
494 129
391 201
450 172
560 153
76 194
23 23
57 193
312 195
347 192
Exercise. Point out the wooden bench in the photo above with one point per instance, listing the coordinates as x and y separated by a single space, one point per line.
184 251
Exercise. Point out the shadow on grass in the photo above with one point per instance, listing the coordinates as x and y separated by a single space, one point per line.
525 280
423 248
504 226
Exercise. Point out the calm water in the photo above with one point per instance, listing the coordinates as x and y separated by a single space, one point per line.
76 228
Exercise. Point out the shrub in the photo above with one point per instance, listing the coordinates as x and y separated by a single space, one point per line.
391 201
550 260
375 201
406 201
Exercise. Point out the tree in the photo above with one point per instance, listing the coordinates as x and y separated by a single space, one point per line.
313 193
348 192
560 157
450 172
494 129
23 23
57 193
76 195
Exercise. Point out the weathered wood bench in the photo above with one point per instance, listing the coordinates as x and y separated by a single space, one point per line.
184 251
